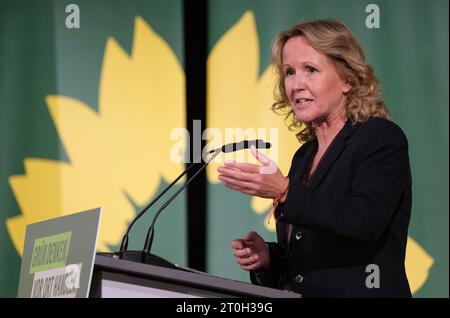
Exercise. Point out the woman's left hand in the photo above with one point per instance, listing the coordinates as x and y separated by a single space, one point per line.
265 181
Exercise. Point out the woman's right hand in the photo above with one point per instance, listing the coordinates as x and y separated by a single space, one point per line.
251 252
265 181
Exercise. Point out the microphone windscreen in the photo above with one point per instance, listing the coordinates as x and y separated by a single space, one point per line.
245 144
261 144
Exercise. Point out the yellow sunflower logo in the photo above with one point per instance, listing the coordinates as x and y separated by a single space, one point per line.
114 154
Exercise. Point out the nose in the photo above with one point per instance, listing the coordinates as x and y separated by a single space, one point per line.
299 83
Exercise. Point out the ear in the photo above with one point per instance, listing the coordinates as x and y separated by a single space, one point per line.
346 86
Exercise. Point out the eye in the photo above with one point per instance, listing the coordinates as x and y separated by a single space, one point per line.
310 69
289 71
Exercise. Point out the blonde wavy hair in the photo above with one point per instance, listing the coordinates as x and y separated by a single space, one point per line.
334 39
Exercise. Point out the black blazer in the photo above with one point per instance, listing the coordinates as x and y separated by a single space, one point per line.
354 212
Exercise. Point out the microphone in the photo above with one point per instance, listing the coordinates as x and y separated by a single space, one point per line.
124 243
231 147
244 144
144 256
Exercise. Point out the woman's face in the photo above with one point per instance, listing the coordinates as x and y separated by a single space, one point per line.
313 86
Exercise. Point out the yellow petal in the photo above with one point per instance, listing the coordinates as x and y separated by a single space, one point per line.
120 152
239 101
418 263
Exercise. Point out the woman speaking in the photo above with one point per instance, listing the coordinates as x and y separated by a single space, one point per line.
342 213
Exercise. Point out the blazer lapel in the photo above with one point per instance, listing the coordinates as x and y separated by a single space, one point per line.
336 147
303 164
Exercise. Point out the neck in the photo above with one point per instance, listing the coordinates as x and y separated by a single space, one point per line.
328 129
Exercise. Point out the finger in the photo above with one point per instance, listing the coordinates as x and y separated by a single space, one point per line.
253 263
243 166
271 168
237 244
241 186
245 252
259 155
251 237
251 267
248 186
246 261
239 189
236 174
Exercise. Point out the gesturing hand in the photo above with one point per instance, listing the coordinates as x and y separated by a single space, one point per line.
265 181
251 252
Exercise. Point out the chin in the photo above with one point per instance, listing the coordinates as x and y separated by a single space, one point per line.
304 117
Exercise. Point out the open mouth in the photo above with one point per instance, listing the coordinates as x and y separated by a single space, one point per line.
302 101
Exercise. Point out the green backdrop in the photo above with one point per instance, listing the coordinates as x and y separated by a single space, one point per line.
40 56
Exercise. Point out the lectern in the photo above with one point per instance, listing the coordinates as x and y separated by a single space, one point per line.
121 278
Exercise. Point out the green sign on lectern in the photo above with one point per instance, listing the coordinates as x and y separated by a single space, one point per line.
58 256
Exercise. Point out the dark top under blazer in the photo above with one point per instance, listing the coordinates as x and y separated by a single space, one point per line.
354 212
